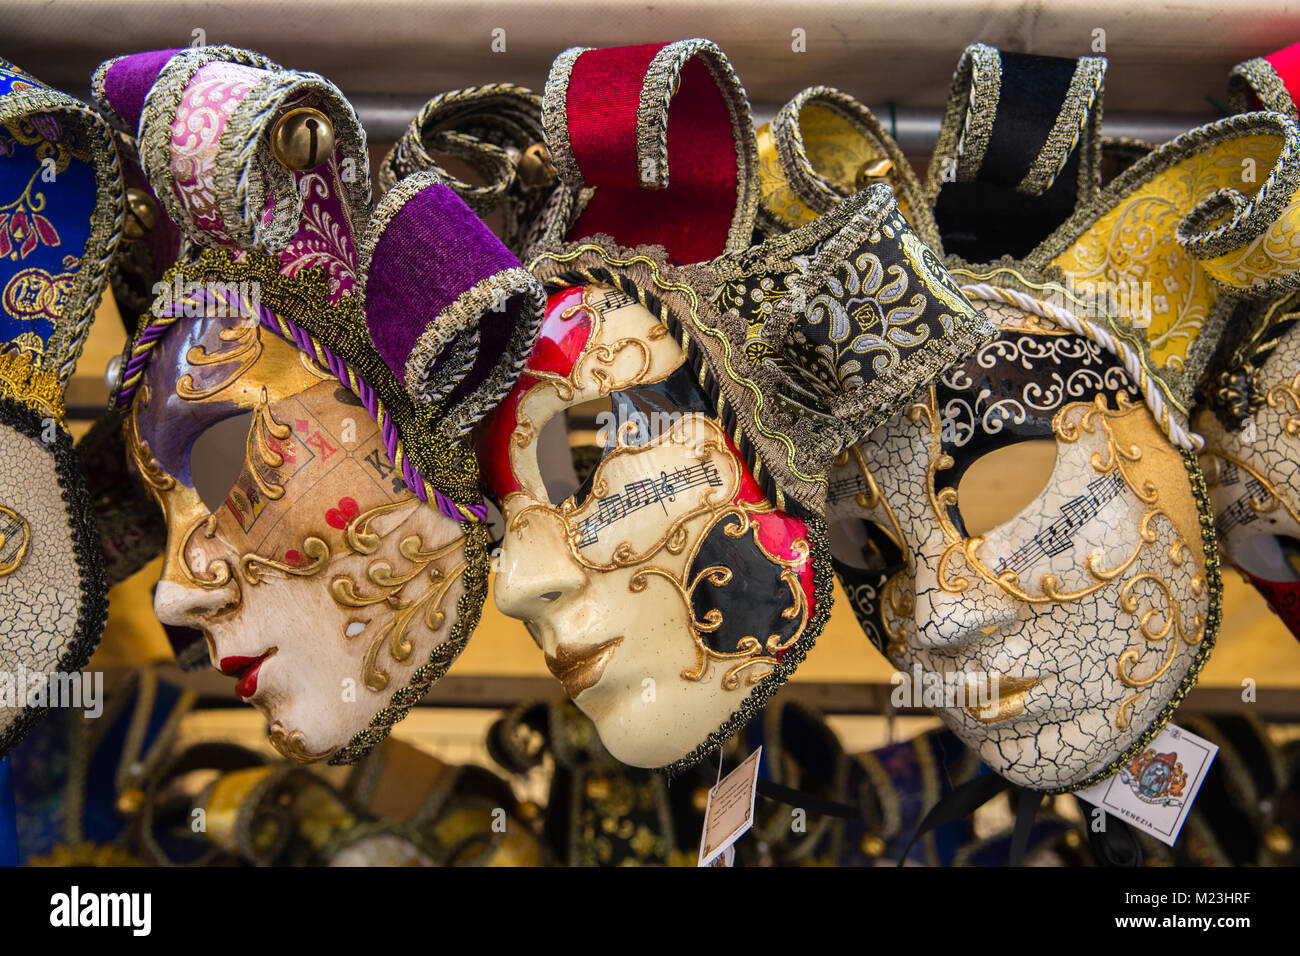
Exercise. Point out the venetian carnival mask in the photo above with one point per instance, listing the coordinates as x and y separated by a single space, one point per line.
335 564
1252 460
1039 519
686 577
1251 418
667 585
61 200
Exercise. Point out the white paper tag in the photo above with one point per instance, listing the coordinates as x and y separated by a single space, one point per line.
730 811
1154 791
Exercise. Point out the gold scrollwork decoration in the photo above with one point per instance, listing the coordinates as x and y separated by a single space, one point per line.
15 536
750 652
292 744
390 586
148 466
1285 397
247 348
1166 611
262 456
317 552
897 606
218 571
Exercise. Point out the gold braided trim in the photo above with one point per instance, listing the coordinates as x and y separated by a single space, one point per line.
24 379
144 344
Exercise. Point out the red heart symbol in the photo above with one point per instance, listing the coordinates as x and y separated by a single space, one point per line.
345 512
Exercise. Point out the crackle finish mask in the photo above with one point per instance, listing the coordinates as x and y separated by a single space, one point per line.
1251 413
1095 601
1251 460
666 587
1091 605
336 565
61 202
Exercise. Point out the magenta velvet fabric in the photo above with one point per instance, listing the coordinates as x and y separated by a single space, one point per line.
128 81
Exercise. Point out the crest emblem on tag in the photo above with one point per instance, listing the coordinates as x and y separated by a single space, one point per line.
1156 778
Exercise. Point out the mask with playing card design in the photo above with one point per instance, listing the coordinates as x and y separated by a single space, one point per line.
298 395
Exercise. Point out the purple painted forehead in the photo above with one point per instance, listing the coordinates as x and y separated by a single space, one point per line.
189 393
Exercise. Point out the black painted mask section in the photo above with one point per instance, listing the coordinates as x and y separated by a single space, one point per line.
652 407
743 590
1012 388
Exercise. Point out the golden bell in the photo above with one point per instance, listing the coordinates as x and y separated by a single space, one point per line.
302 139
873 171
141 214
535 167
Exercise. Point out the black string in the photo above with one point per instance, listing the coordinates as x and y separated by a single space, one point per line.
1027 804
960 802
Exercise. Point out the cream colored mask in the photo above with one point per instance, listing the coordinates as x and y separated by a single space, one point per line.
320 582
1040 520
666 587
324 529
684 580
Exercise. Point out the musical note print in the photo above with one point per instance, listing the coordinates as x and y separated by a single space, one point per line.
610 300
646 492
1058 537
841 489
1246 509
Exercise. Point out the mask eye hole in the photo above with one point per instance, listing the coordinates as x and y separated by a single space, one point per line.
217 459
554 459
865 546
1004 482
589 434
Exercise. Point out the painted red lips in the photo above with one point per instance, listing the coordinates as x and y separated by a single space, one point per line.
245 668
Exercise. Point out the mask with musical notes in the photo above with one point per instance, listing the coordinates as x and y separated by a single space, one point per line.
1028 523
1040 518
1252 457
663 588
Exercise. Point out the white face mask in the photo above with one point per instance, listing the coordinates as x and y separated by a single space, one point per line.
320 582
1090 602
666 588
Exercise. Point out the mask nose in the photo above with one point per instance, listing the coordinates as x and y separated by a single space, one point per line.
179 606
949 613
180 602
535 574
